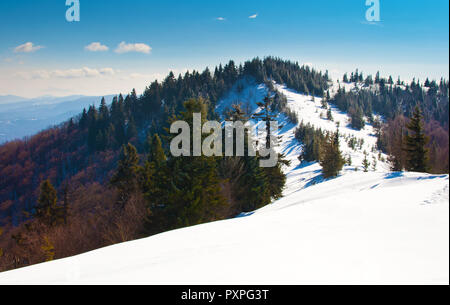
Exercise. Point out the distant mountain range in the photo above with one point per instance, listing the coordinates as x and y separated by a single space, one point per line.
21 117
6 99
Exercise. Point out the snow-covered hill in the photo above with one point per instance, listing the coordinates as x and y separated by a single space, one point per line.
360 228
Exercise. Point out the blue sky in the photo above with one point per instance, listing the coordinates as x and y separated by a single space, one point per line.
412 39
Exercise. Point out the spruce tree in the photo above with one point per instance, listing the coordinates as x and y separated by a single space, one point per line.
92 128
47 210
125 179
103 113
330 115
266 115
345 79
156 187
157 154
48 249
276 178
193 188
366 163
118 122
331 161
83 122
357 120
257 193
131 129
374 163
415 142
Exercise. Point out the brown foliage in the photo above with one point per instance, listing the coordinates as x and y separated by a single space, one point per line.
94 221
438 145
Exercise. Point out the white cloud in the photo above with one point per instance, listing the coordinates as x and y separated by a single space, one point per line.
38 74
96 47
253 16
133 47
66 74
220 19
107 71
28 47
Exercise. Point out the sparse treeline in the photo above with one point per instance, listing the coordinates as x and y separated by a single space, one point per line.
392 99
408 144
320 146
415 145
312 140
396 101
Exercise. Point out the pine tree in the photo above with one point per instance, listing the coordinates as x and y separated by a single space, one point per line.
157 154
118 121
156 186
331 161
276 178
257 193
415 142
366 163
125 179
92 128
131 129
70 126
47 210
345 79
377 78
374 163
368 81
193 188
349 160
83 122
330 115
103 113
391 80
266 116
48 249
357 120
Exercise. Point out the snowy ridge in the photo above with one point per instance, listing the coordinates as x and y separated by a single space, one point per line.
360 228
246 92
309 110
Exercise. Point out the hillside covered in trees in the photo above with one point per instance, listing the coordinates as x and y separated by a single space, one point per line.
105 184
106 176
396 101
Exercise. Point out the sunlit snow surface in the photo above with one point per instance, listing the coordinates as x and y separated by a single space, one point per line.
360 228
